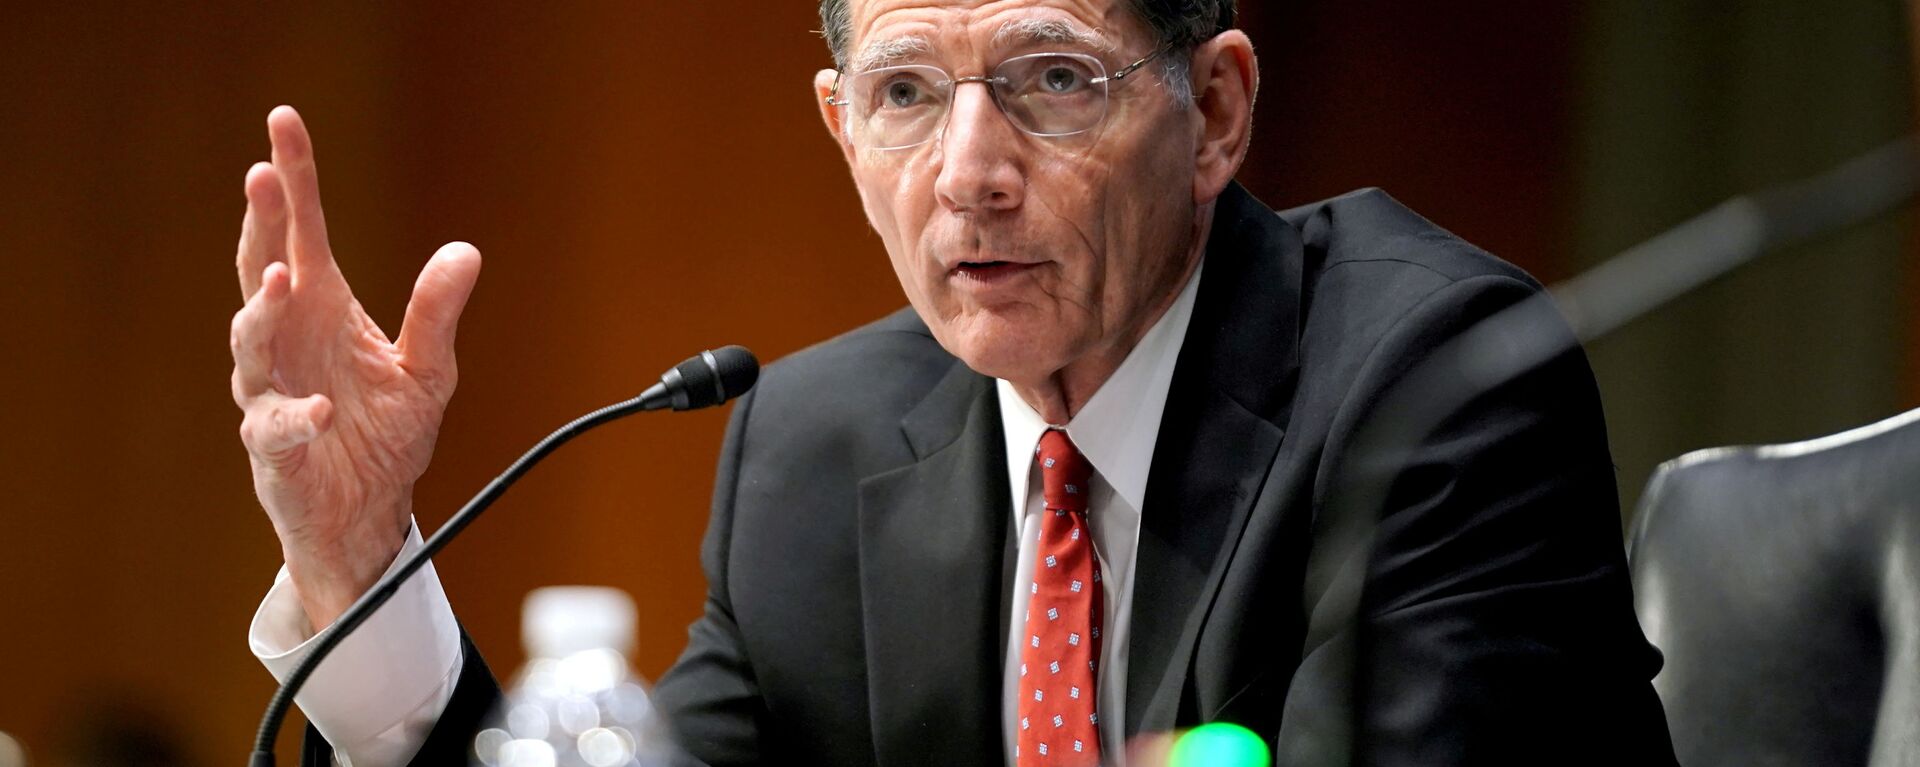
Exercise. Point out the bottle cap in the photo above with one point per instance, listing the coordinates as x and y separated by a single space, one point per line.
558 621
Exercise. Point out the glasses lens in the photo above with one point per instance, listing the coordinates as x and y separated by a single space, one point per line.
1052 94
896 107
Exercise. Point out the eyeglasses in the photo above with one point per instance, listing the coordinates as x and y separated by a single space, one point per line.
1043 94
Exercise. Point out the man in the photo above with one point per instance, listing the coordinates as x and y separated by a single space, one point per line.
1069 497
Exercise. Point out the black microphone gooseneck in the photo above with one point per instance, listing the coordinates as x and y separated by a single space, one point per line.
706 380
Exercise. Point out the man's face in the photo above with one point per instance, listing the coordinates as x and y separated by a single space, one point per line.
1025 253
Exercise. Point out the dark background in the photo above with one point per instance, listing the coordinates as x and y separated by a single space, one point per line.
647 179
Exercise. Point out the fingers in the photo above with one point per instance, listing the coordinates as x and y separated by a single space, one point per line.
433 314
276 424
252 336
293 158
263 232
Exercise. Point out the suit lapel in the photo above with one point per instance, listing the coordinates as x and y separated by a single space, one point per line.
932 538
1222 427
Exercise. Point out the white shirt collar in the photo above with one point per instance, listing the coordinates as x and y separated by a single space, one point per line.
1119 425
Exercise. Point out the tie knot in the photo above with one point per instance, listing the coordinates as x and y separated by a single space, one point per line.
1064 472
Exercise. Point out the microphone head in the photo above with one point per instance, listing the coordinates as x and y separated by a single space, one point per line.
737 368
710 378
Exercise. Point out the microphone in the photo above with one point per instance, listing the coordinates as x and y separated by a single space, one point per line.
705 380
709 379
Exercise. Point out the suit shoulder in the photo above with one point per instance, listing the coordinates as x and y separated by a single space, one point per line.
849 389
1368 230
885 345
1381 283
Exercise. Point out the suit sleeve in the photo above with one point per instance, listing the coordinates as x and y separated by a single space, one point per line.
1496 623
709 699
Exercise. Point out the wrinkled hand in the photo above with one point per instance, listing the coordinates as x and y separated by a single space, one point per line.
339 421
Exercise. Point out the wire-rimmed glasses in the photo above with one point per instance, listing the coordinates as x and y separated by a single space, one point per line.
1043 94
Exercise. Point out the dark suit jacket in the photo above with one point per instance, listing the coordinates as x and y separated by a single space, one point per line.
860 554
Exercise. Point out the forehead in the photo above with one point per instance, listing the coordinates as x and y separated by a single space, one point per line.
972 23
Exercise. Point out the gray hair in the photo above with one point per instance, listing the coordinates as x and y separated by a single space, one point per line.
1178 24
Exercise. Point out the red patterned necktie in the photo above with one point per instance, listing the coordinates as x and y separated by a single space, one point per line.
1058 721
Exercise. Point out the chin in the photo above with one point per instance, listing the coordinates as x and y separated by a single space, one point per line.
1004 348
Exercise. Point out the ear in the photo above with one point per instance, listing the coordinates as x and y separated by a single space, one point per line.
823 81
1226 76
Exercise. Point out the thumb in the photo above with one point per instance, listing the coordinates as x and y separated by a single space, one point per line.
433 314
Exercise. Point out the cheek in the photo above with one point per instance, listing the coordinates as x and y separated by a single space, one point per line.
895 206
878 197
1149 223
1073 197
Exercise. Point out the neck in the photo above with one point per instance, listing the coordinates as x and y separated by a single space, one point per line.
1060 396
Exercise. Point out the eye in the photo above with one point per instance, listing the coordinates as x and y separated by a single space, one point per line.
902 93
1062 79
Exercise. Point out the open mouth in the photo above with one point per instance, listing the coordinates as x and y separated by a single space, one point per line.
989 271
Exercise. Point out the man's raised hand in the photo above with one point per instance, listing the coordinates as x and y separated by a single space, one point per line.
338 421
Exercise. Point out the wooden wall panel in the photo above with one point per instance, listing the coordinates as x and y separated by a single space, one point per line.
1463 112
645 180
1913 237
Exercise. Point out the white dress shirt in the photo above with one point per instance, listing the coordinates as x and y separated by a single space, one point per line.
376 698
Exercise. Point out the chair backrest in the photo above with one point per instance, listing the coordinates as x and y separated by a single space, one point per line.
1782 583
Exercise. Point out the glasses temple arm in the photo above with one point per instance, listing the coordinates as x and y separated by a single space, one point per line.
1141 62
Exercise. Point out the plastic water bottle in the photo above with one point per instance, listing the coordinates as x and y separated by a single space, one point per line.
576 703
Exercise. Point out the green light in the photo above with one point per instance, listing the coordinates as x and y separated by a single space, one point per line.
1219 745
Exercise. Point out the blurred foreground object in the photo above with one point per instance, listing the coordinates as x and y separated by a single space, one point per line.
107 729
1708 246
577 703
1783 584
1220 744
1510 343
1216 744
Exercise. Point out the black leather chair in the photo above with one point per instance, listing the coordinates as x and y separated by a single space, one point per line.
1783 585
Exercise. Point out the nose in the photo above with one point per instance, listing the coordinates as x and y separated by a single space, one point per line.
980 168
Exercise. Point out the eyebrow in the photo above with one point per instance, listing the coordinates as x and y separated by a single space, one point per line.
882 53
1022 32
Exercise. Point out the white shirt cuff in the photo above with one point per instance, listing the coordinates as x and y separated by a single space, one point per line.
376 697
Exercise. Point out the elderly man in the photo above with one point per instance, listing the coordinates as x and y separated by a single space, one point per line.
1069 496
